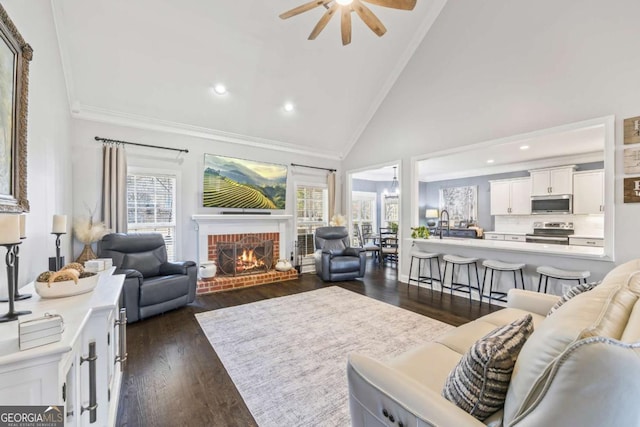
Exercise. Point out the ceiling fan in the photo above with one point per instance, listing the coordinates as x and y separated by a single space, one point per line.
346 7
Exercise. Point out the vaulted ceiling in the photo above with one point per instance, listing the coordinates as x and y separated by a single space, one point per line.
154 62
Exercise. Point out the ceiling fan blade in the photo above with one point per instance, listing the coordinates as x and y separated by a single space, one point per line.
394 4
345 25
323 21
303 8
369 18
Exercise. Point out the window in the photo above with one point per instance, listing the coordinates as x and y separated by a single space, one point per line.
390 209
363 211
311 213
151 206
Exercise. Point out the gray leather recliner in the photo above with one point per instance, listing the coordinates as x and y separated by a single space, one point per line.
152 284
335 259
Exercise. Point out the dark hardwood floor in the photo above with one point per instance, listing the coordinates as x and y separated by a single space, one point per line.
173 376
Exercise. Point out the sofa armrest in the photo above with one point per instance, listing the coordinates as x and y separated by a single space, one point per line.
333 252
128 273
353 251
533 302
181 267
372 384
130 297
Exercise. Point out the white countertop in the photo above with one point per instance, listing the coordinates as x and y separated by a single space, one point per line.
586 236
504 245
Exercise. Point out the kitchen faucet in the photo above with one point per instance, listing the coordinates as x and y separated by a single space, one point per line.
444 211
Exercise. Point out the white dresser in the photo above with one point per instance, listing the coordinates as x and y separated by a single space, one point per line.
66 372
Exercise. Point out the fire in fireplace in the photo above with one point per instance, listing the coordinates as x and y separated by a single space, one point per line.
249 255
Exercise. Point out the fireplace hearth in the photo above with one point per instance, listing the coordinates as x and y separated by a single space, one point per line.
249 255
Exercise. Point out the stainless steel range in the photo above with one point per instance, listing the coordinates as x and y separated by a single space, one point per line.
555 233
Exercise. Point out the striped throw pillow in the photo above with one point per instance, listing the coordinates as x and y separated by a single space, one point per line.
576 290
479 383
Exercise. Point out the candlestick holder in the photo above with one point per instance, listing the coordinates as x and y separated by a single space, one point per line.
17 296
10 259
58 259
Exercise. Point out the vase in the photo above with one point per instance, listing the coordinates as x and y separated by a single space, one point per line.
283 265
207 269
86 254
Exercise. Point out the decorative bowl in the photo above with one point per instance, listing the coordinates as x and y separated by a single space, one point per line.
66 288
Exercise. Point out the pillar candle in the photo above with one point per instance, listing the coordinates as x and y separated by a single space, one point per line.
23 226
59 224
9 228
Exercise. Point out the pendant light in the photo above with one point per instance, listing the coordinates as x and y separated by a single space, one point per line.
395 186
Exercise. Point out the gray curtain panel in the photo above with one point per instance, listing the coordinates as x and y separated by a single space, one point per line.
114 187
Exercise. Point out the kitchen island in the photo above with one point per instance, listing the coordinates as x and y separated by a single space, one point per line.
533 255
512 246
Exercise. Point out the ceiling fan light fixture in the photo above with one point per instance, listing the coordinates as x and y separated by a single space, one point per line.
345 7
220 89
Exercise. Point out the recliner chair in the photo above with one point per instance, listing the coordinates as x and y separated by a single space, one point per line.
152 285
335 259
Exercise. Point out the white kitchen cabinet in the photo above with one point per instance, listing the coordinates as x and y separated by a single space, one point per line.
515 238
588 192
552 181
511 197
597 242
493 236
79 371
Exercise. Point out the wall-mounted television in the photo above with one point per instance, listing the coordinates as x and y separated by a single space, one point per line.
238 183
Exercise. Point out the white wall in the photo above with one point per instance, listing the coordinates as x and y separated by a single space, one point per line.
49 187
87 168
493 69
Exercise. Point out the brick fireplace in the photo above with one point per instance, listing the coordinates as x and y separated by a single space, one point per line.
243 255
245 249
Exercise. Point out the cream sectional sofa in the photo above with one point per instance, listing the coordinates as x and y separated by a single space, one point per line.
580 367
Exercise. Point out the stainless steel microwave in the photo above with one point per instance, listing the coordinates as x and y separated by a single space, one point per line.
552 205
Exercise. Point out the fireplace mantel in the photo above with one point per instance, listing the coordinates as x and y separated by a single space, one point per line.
206 225
239 217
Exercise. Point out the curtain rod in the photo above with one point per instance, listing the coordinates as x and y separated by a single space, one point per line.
182 150
313 167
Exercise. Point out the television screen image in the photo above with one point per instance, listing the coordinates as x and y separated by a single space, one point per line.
237 183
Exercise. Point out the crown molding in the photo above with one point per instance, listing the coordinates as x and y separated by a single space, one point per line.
95 114
436 7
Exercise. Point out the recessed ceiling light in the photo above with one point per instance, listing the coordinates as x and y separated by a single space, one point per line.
220 89
288 107
344 2
490 161
524 147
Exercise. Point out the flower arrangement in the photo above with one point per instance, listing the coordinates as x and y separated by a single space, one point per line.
88 231
338 220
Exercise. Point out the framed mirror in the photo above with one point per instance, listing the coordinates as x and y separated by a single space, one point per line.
15 55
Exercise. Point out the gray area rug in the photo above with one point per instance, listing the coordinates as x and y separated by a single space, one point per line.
287 356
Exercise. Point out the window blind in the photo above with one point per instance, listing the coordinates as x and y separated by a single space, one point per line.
151 207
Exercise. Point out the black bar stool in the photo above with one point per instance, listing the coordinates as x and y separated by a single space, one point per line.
421 257
462 287
556 273
491 266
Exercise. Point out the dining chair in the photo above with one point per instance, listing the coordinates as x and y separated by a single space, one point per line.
367 246
389 245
